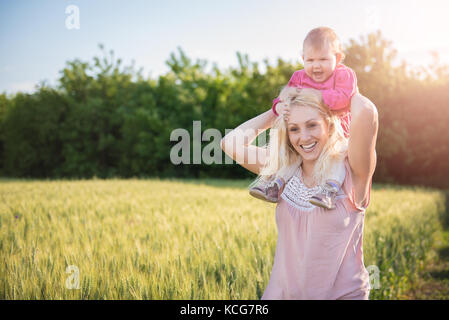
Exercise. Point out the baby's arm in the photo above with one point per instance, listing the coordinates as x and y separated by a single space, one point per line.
345 87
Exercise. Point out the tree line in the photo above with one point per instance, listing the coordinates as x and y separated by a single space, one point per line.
107 120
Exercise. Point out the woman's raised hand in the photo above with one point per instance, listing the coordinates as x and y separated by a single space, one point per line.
283 110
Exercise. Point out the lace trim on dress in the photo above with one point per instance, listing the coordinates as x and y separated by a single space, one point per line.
297 194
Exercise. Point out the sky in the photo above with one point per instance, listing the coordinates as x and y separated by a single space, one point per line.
38 38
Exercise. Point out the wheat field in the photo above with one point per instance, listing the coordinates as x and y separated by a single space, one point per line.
180 239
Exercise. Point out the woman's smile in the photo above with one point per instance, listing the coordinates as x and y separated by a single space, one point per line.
309 147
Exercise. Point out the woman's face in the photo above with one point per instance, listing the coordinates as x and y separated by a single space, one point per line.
307 131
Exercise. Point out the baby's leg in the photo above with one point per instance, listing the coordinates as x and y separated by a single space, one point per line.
325 198
269 189
275 188
337 173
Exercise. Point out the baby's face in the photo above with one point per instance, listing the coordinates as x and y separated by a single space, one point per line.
319 64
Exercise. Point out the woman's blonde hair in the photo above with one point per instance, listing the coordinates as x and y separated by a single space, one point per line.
283 160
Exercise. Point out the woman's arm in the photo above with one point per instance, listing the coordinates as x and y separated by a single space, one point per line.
237 143
362 145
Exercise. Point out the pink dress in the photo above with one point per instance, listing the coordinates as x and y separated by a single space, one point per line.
319 252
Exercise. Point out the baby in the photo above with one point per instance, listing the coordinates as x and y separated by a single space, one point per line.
323 70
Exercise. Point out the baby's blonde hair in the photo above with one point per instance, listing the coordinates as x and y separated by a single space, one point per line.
283 160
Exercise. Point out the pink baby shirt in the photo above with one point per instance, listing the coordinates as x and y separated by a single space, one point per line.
337 91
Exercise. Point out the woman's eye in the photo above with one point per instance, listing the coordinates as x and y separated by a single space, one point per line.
293 129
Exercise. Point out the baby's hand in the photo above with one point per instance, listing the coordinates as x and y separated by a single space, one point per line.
283 110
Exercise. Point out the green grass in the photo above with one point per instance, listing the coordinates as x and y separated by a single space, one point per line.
180 239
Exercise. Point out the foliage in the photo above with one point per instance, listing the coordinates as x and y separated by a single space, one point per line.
107 120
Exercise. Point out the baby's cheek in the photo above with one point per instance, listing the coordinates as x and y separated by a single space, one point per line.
307 70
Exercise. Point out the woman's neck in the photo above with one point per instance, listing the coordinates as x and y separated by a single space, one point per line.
307 172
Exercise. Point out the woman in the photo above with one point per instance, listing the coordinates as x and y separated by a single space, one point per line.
319 253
